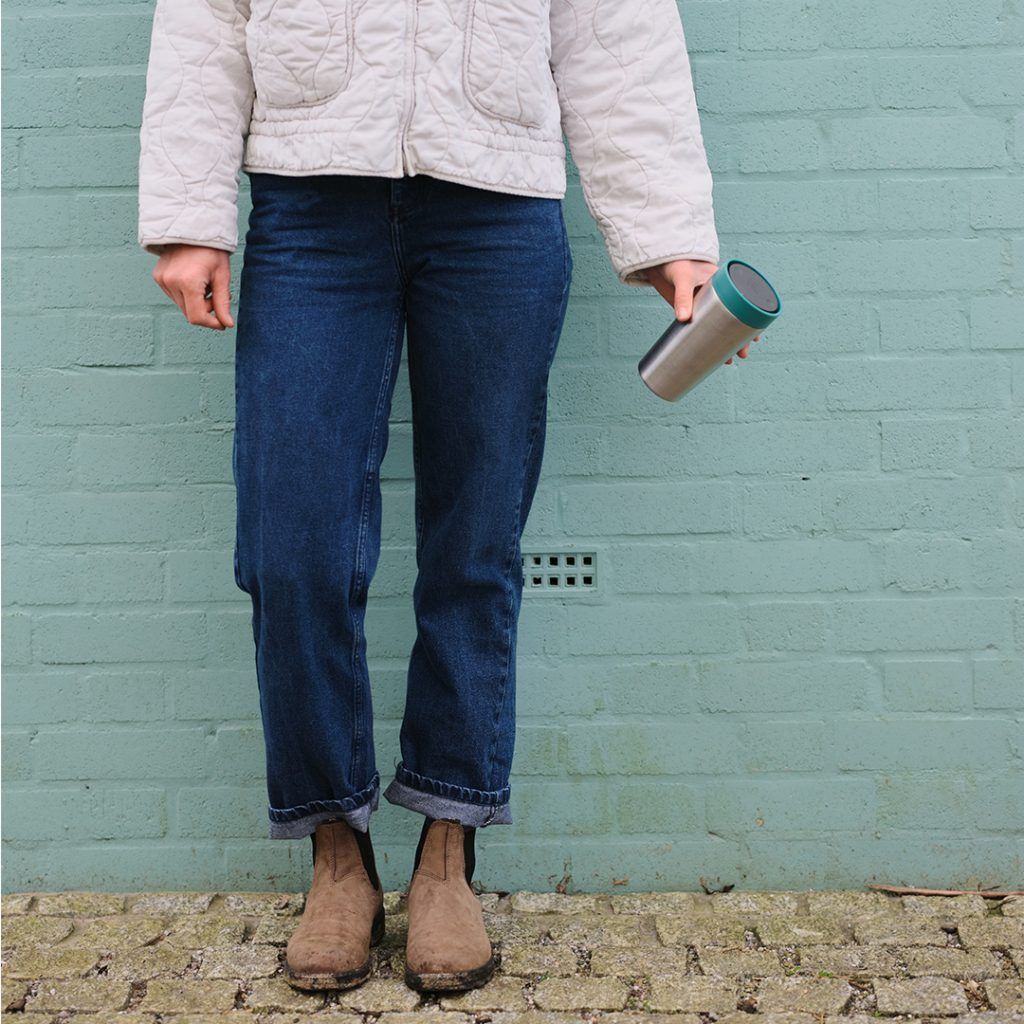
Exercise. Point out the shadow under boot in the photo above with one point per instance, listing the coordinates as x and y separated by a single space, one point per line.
447 948
343 916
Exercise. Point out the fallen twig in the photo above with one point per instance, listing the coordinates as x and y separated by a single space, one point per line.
910 890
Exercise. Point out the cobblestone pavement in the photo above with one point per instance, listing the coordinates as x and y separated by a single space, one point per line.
674 958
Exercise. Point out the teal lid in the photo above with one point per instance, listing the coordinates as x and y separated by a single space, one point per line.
746 293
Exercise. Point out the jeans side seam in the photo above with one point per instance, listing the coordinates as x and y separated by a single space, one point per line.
517 526
369 472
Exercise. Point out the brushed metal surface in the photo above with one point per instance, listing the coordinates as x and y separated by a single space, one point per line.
687 352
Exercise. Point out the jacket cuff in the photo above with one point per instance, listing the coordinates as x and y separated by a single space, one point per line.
156 245
636 273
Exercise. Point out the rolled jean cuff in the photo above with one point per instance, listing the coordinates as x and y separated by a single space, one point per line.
473 807
296 822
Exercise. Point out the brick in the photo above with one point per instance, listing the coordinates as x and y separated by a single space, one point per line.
927 684
921 995
995 322
701 995
793 804
874 23
812 995
85 995
997 683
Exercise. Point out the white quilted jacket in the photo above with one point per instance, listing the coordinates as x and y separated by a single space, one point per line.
472 91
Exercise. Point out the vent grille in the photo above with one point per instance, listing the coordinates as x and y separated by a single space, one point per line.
563 571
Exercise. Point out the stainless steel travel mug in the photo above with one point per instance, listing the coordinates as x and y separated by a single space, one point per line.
736 304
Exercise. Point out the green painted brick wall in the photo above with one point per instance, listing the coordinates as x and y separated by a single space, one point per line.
803 666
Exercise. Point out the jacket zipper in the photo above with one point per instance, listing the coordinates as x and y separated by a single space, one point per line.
406 162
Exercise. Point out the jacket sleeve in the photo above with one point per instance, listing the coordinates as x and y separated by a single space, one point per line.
195 117
630 116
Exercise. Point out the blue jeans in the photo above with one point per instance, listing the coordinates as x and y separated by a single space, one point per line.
336 270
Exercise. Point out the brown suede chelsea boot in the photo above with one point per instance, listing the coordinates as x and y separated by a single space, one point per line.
447 947
343 916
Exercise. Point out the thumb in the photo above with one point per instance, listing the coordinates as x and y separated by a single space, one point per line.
221 299
683 301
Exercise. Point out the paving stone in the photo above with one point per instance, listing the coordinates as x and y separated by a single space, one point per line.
661 903
226 1017
498 994
79 904
491 901
326 1016
945 906
526 929
277 930
16 903
650 1018
54 962
14 993
991 1017
783 1017
720 930
79 995
239 961
378 995
633 962
556 960
149 962
1005 993
556 903
1012 906
168 995
194 932
34 931
873 961
811 995
114 1017
788 930
600 930
427 1016
992 931
581 993
920 995
756 902
539 1017
953 963
275 994
693 994
849 904
116 932
758 963
263 904
862 1018
893 930
168 903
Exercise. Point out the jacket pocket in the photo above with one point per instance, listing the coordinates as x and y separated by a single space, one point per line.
506 63
300 51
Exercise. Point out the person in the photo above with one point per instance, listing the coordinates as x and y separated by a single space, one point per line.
406 164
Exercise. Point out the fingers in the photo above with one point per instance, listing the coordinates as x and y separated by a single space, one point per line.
221 296
743 352
682 298
198 308
197 279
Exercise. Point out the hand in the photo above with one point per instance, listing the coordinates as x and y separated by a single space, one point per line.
197 278
678 281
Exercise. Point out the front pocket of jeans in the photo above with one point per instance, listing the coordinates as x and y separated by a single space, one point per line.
301 51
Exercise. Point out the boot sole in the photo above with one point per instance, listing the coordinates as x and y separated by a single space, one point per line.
343 979
455 981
